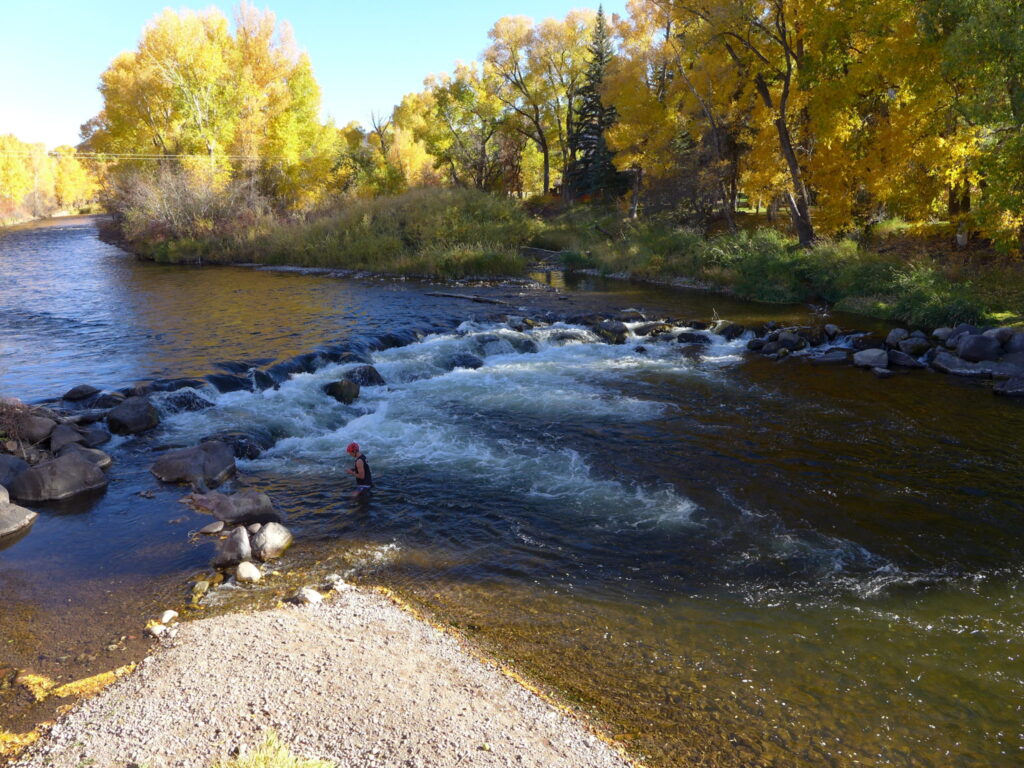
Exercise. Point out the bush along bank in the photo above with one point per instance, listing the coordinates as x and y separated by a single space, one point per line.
765 265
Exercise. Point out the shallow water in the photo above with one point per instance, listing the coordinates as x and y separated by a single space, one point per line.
731 561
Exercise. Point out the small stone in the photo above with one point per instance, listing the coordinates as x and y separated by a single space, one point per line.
307 596
215 527
254 528
156 630
883 373
168 616
247 573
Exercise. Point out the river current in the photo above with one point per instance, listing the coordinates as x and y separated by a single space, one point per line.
729 561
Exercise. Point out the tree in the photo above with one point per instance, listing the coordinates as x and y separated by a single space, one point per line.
593 173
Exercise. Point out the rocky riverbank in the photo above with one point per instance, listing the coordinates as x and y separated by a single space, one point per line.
353 679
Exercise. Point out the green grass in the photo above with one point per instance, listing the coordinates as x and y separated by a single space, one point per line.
272 754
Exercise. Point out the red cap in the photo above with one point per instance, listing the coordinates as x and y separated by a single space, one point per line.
352 448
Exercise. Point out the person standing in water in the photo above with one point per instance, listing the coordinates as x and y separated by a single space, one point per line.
361 470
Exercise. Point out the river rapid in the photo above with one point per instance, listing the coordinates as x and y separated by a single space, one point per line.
729 561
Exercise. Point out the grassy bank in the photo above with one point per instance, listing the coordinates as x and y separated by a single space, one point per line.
437 233
909 275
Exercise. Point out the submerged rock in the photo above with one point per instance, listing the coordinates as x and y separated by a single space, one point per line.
245 445
60 478
134 415
729 330
832 357
612 331
1011 387
464 360
206 465
688 337
184 400
243 508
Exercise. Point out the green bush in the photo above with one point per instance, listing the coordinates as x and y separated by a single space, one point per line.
925 297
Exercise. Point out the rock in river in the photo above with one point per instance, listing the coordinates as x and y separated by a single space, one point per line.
134 415
96 456
243 508
272 540
64 434
61 478
1011 387
33 428
81 392
13 519
233 550
206 465
10 468
344 391
871 358
365 376
247 573
975 348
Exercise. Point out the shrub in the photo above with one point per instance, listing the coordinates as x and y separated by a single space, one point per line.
925 297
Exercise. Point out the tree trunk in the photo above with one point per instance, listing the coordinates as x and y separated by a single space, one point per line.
635 204
799 209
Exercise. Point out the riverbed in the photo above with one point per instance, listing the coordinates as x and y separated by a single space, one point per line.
728 560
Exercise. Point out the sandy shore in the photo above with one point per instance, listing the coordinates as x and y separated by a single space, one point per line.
355 679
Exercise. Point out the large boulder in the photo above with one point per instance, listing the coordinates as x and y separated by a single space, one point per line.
96 456
234 549
791 340
206 465
896 335
942 334
271 541
1011 387
13 519
729 330
903 360
653 329
134 415
344 391
612 331
81 392
108 400
871 358
977 347
10 468
65 434
32 428
1015 343
914 346
60 478
365 376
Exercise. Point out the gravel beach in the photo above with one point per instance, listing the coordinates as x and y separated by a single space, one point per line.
355 679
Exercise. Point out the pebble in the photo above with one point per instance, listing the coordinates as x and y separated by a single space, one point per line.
156 630
168 616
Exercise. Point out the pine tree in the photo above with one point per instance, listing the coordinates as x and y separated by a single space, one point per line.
591 171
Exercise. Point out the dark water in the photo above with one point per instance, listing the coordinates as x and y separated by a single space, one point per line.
731 561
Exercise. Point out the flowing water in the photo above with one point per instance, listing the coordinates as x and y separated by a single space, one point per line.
727 560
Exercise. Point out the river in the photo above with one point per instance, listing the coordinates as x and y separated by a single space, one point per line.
727 560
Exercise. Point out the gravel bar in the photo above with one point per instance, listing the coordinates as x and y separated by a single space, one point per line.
355 679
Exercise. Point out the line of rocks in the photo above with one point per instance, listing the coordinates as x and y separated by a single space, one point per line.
963 350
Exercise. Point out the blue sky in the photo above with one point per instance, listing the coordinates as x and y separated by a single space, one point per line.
366 55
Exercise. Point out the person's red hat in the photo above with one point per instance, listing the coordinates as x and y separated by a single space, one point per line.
352 448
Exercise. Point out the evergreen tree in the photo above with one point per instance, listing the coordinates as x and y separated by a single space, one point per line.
591 171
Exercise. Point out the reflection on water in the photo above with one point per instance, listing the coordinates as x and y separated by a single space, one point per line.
732 562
